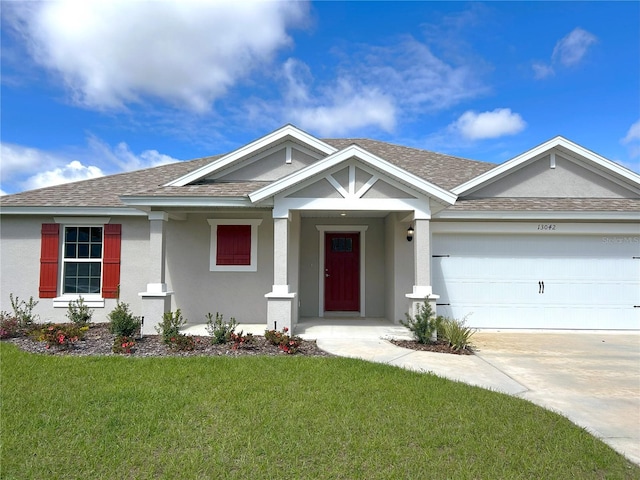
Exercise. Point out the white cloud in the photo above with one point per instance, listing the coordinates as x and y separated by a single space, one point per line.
632 140
497 123
71 172
541 70
110 54
376 87
97 159
570 50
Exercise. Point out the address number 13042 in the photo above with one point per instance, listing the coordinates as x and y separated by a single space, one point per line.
546 226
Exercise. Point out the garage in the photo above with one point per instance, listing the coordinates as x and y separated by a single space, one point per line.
563 276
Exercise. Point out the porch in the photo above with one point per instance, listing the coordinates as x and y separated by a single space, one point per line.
327 328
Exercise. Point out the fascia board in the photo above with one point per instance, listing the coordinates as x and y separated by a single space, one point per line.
514 163
79 211
362 155
141 201
247 150
502 169
541 215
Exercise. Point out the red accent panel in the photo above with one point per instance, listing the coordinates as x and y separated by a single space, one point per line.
233 245
111 260
342 272
49 252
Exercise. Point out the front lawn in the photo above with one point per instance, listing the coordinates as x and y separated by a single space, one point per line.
274 417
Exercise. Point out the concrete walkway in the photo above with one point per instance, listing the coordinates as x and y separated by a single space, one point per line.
593 379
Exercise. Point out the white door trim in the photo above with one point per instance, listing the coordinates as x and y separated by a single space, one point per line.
322 229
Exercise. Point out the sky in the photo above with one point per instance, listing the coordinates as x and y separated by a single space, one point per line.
92 88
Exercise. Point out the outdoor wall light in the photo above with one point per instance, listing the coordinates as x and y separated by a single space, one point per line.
410 233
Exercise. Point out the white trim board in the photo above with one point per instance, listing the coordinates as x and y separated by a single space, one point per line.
322 229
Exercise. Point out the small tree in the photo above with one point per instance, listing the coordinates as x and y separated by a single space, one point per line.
78 313
170 326
424 325
123 322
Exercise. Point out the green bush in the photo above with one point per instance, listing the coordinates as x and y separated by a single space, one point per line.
424 324
122 321
170 326
219 330
23 311
60 335
9 326
123 344
285 342
78 313
456 333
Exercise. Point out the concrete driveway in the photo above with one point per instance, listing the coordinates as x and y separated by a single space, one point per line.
591 378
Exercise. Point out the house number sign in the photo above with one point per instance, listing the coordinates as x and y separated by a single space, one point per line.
546 226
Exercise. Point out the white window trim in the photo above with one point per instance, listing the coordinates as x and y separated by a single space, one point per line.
92 300
253 266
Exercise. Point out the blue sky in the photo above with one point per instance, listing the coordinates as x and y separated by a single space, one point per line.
95 88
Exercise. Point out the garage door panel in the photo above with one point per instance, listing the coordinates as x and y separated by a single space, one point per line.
495 279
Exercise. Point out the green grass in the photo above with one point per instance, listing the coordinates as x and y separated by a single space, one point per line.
282 417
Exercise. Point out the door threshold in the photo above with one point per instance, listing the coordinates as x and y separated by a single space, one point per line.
341 314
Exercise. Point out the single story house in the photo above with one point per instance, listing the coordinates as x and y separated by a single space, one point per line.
292 226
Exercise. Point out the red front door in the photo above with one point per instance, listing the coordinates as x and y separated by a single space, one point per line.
342 272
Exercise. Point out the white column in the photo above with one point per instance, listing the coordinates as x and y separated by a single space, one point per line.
156 300
422 290
280 301
157 252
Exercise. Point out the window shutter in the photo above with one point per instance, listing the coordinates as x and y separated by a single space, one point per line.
49 260
111 260
234 245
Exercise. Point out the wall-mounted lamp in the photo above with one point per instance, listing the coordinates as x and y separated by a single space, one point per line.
410 233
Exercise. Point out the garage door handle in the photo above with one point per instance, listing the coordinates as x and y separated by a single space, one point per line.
541 287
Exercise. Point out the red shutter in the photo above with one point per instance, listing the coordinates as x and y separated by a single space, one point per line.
49 260
111 261
233 245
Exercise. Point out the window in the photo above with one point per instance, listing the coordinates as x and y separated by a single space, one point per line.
80 258
234 245
82 270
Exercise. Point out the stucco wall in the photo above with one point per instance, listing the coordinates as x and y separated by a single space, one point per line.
374 264
567 179
198 290
20 265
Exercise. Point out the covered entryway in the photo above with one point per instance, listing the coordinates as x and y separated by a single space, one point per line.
342 272
539 281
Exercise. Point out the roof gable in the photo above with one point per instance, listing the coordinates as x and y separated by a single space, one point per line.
576 172
345 182
283 139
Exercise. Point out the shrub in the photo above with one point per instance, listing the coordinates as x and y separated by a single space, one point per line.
170 326
122 322
240 341
122 344
23 311
9 326
456 333
182 342
79 313
60 335
285 342
424 325
219 330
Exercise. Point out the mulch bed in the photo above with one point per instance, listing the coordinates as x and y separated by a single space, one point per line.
438 347
98 341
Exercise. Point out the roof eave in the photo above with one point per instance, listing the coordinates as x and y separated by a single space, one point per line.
58 210
546 215
139 201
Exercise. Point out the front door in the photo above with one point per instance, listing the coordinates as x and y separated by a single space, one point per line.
342 272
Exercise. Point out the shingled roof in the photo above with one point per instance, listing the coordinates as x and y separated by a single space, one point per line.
442 170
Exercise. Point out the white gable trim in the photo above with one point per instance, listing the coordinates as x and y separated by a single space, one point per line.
288 131
501 170
366 158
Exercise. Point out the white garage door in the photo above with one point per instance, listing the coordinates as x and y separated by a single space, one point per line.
532 281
